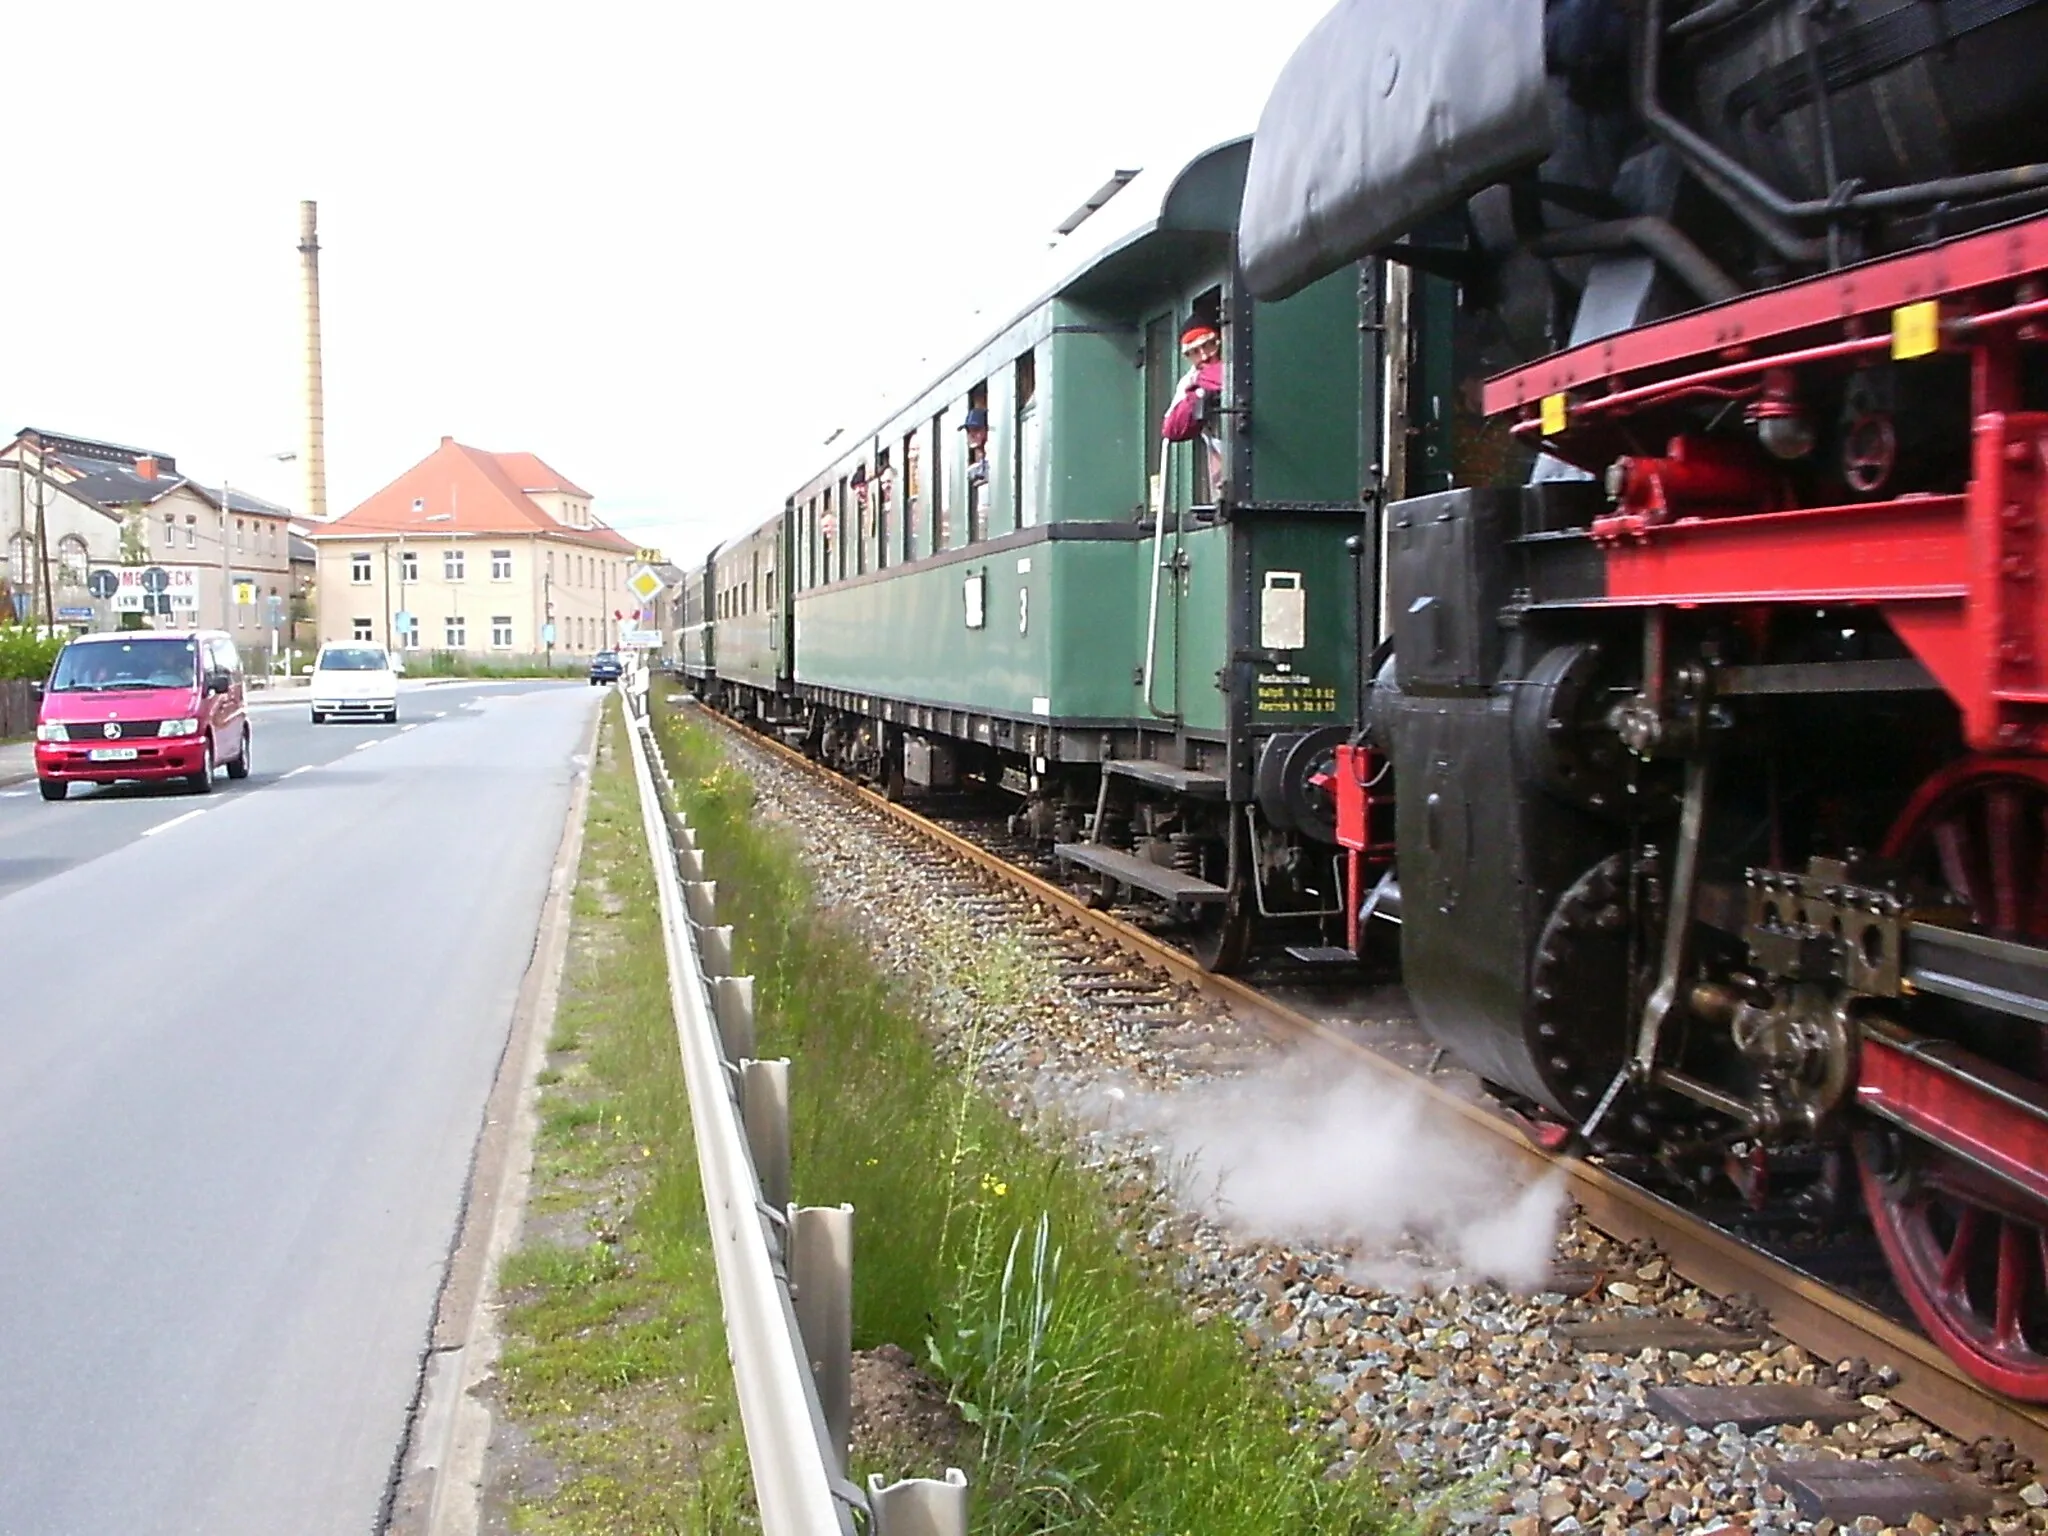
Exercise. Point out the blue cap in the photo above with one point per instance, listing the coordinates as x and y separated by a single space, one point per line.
975 418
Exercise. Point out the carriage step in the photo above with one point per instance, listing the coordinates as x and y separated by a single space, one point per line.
1190 783
1141 873
1322 954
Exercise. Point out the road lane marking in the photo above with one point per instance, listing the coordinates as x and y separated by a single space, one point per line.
165 826
364 746
440 714
404 728
13 794
302 768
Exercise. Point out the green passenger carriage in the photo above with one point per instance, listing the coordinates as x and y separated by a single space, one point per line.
1153 645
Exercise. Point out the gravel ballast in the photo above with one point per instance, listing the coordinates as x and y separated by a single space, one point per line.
1423 1295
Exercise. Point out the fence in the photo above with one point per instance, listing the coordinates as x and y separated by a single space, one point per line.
785 1272
17 709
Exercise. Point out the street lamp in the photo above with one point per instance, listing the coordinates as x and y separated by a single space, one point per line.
390 638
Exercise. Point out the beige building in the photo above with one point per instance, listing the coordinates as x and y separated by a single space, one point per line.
73 505
481 553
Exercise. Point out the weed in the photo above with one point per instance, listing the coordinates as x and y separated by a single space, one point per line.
614 1363
1097 1402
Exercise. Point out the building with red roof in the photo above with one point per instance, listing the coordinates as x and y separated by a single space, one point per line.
478 552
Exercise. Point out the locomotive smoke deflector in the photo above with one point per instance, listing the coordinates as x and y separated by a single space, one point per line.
1391 111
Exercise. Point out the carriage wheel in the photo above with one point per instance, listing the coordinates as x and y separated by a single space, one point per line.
1223 937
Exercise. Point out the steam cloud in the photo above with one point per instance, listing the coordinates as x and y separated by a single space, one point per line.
1325 1153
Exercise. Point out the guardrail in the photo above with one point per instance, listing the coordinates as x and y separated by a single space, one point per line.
785 1272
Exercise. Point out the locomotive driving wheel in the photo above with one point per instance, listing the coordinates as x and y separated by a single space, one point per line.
1980 828
1971 1260
1969 1253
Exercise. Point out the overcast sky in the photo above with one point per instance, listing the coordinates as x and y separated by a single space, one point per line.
669 249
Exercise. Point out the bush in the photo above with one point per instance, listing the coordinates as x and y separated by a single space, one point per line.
26 653
462 664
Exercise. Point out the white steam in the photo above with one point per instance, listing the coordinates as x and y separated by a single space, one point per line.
1325 1153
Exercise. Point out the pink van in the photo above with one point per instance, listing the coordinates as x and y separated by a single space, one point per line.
142 704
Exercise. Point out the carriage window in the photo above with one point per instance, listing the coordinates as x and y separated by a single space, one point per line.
885 496
852 529
913 496
1025 489
942 483
976 432
863 517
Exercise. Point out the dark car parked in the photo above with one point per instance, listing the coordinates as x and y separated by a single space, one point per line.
605 668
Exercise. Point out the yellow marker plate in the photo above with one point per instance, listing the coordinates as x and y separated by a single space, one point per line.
1916 330
1553 415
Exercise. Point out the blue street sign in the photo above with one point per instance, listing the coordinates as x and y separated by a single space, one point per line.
156 579
103 584
547 634
403 622
74 613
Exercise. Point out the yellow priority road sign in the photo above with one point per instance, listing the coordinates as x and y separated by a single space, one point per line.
645 584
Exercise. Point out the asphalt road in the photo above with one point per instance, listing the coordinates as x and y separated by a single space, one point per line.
243 1060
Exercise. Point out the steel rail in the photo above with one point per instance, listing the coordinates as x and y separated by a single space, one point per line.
794 1474
1812 1315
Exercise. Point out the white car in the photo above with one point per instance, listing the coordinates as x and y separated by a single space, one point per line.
354 682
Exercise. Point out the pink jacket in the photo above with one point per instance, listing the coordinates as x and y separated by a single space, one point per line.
1182 424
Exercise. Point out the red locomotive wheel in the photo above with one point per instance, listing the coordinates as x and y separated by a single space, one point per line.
1980 827
1970 1255
1973 1267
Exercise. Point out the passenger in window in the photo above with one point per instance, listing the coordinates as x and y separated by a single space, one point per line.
1194 411
976 428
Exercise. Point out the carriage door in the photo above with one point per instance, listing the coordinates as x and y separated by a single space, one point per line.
1167 467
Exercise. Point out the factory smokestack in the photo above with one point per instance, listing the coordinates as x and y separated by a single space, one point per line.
313 447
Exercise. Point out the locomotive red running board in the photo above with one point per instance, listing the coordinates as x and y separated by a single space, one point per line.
1961 579
1837 314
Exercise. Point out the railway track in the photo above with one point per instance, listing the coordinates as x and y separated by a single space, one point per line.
1805 1310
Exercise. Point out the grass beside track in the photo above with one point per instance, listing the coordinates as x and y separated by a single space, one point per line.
1096 1403
616 1394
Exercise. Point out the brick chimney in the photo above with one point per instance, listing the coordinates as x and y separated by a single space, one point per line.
145 467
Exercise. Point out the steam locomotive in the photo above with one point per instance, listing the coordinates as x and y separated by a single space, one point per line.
1618 556
1717 707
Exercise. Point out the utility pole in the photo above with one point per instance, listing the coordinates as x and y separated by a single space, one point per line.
227 581
43 547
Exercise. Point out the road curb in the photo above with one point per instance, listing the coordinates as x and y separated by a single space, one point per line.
437 1488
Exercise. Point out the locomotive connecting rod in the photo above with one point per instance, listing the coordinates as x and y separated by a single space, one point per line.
1685 877
1641 1067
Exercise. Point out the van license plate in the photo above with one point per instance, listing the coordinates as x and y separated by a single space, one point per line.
112 754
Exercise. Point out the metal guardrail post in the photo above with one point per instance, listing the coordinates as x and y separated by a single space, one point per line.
919 1506
798 1482
821 1282
714 951
764 1108
798 1423
732 999
701 897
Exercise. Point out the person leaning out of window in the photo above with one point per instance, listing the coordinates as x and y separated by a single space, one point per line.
1195 411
